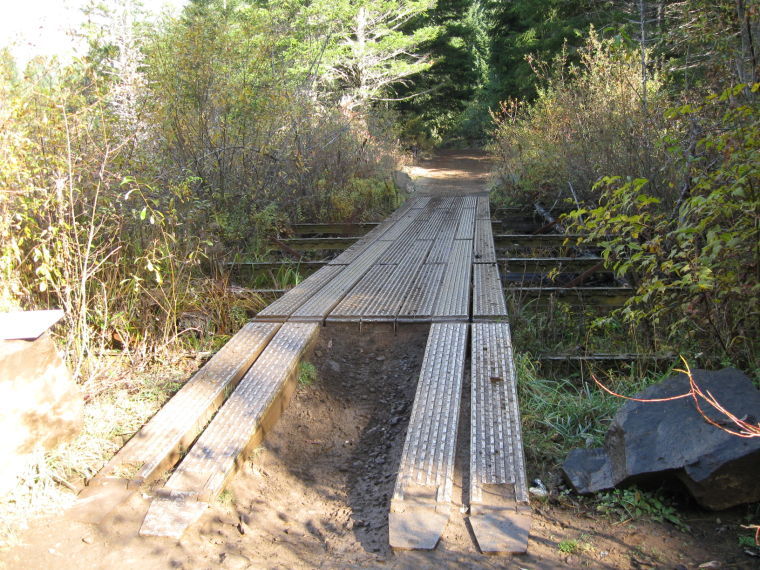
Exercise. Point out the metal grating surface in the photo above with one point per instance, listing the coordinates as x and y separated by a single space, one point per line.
422 496
331 294
469 201
484 251
466 229
288 303
211 460
454 299
483 209
184 415
385 305
371 285
443 243
487 295
428 456
423 294
496 453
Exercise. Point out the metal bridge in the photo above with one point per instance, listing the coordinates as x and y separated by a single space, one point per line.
432 261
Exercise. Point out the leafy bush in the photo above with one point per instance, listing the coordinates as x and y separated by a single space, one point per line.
633 503
695 260
129 173
587 121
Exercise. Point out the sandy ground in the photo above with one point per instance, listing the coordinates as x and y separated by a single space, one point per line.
452 172
317 492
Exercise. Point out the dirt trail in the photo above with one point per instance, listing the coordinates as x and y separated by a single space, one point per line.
317 492
452 172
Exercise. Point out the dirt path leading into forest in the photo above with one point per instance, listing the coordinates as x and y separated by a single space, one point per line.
317 492
452 172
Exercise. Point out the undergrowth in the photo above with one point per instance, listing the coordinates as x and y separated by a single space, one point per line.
565 412
633 503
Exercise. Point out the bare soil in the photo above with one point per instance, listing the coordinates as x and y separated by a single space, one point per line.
317 492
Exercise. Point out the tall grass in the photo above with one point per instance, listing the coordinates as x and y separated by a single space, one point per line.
562 413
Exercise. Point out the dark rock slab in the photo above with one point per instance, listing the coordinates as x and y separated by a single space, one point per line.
672 439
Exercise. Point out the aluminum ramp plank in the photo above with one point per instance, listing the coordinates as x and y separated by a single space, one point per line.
400 247
483 248
401 225
487 295
454 299
362 244
469 201
372 284
386 304
251 409
483 209
320 305
421 503
423 294
433 225
443 242
466 229
373 235
499 507
160 441
283 307
420 202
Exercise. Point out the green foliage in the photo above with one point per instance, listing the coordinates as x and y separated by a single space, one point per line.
694 259
435 103
568 546
586 121
133 171
560 414
633 503
226 499
307 374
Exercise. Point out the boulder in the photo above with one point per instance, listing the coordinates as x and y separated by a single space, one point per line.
404 182
660 440
40 405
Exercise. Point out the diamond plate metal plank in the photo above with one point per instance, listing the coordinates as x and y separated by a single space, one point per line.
487 295
283 307
454 299
499 513
422 295
483 248
422 497
185 414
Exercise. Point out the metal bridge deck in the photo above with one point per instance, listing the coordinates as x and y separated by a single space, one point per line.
433 260
417 266
254 406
